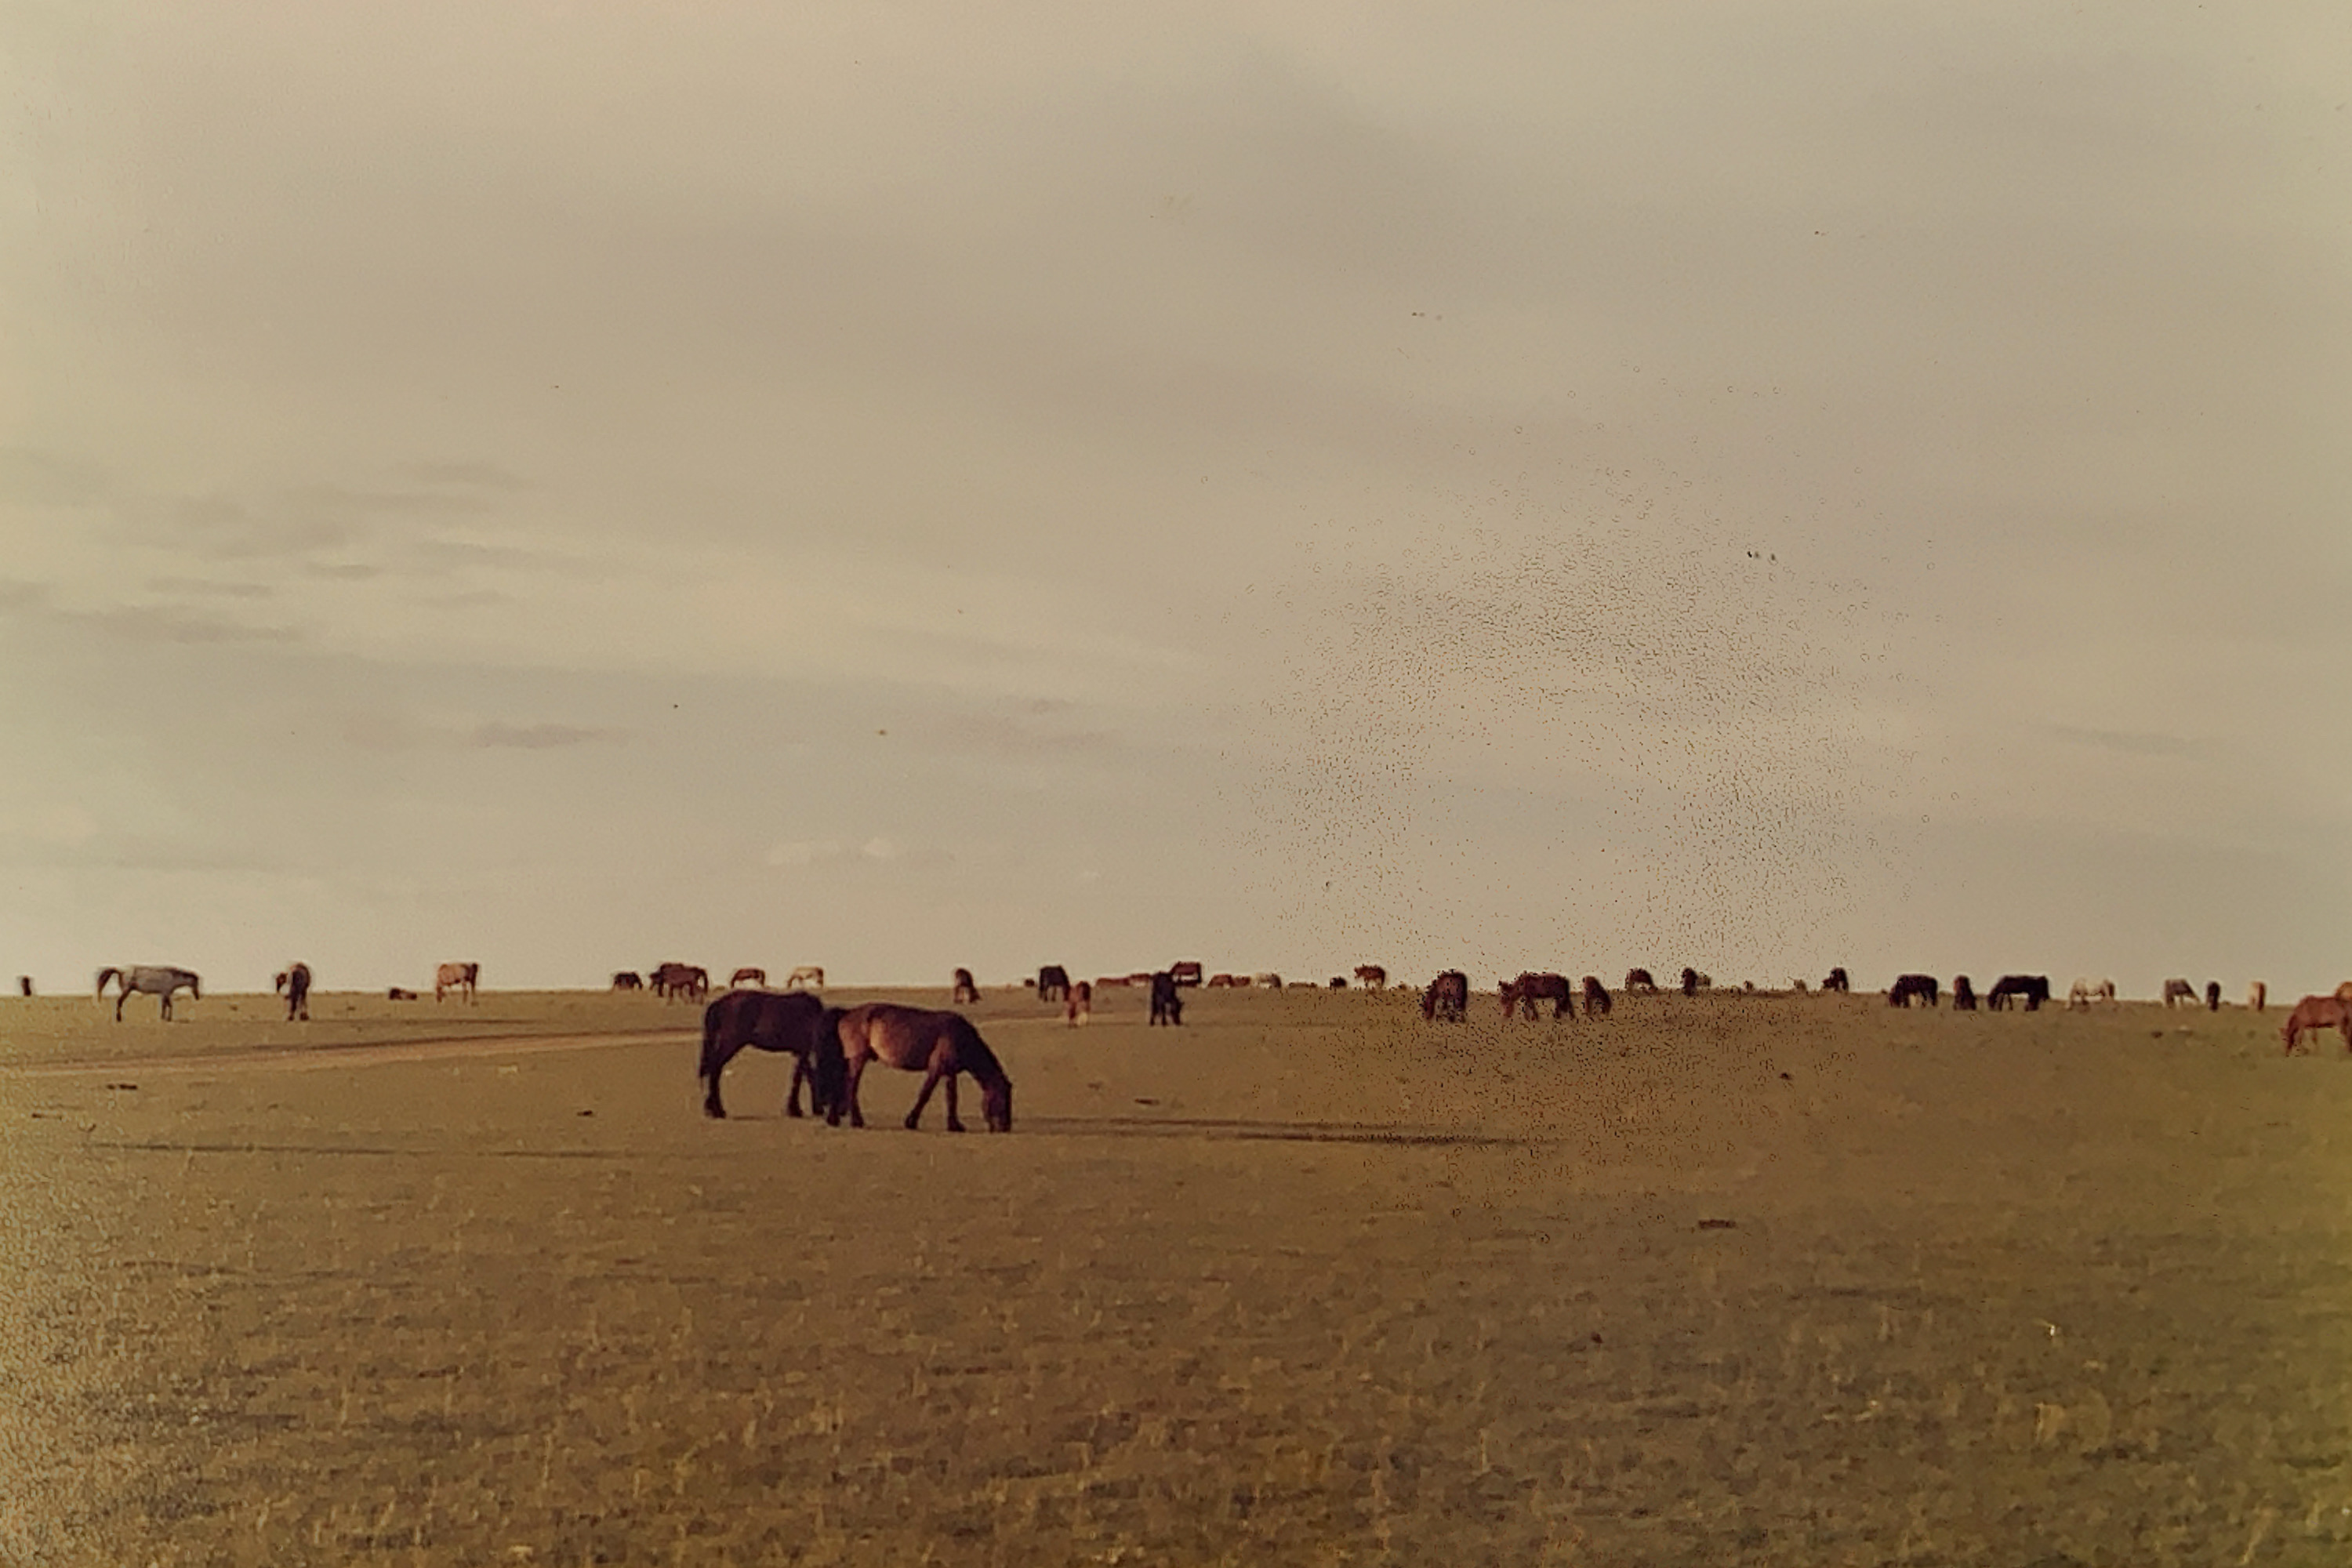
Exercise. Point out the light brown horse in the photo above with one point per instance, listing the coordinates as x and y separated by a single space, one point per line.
2178 991
1079 1006
459 977
2315 1012
1529 988
747 976
1372 977
966 988
937 1044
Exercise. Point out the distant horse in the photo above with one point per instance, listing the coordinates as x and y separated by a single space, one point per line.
1693 982
937 1044
2180 991
2314 1012
1186 972
1837 982
1167 1005
747 976
1223 983
2083 993
456 977
2212 996
1639 984
806 974
153 980
1448 997
790 1021
1372 977
628 980
1596 997
397 994
2258 996
966 988
1266 980
293 982
24 986
1078 1003
1964 996
1530 988
2009 988
1909 988
1053 983
681 981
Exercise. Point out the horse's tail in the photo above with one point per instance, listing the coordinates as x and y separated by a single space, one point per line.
829 1067
105 975
710 1020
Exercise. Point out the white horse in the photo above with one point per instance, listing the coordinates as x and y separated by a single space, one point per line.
153 980
806 974
2085 991
2180 991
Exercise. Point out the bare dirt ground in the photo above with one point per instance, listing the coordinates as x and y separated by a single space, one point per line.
1735 1280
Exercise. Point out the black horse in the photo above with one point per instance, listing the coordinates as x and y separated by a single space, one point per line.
294 983
1910 988
790 1021
1167 1007
1837 980
2009 988
1053 983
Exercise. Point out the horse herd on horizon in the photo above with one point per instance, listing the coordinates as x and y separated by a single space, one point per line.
1446 999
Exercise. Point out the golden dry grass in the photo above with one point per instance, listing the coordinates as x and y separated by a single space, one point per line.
1745 1280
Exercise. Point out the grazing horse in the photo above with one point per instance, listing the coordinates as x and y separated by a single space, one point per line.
1596 997
1448 997
24 986
937 1044
1053 983
790 1021
1266 980
2212 996
1372 977
154 980
1167 1007
1837 980
397 993
966 989
2085 991
1909 988
747 976
806 974
1964 996
1530 988
293 982
1078 1005
2033 988
2180 991
628 980
2258 996
1187 973
1639 984
1693 982
456 977
2314 1012
681 981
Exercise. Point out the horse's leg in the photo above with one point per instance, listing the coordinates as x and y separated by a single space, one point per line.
854 1076
712 1071
799 1074
936 1070
955 1122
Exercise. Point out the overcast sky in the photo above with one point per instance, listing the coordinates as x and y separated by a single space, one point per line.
1761 486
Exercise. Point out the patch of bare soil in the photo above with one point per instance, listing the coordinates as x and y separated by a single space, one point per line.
1739 1280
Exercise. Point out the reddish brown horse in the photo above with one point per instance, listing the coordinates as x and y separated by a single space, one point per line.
294 984
937 1044
1638 983
790 1021
1080 1005
2315 1013
1596 997
1372 977
1529 988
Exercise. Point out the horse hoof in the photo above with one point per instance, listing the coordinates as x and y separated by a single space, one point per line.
714 1113
793 1110
955 1126
909 1124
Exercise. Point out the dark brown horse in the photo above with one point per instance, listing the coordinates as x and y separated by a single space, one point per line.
1964 996
2005 992
1596 997
937 1044
1167 1005
966 988
1530 988
1837 980
294 984
1372 977
790 1021
1053 983
628 980
681 981
2212 996
1638 983
1910 988
1448 997
2315 1012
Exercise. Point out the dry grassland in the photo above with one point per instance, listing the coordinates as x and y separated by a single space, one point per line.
1738 1280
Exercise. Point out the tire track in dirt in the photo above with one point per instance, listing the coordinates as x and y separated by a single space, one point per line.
299 1059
